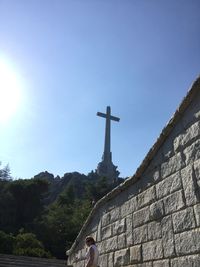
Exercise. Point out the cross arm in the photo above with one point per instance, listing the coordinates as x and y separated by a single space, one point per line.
114 118
101 114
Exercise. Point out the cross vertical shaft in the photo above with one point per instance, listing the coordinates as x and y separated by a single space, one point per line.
107 154
106 168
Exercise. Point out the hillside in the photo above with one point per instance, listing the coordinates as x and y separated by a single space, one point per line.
42 216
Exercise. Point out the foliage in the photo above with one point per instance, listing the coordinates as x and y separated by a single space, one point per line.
64 219
20 203
5 173
50 210
28 198
97 190
26 244
6 243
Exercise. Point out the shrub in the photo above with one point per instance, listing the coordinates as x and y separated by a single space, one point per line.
6 243
26 244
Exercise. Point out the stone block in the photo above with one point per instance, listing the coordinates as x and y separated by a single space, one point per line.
110 260
167 237
72 258
119 227
140 235
193 112
146 197
154 230
135 254
82 253
173 202
155 175
103 260
105 219
167 148
106 232
156 160
162 263
197 214
108 245
197 169
129 207
192 152
190 185
114 214
157 210
168 185
173 165
129 230
122 257
121 241
144 264
78 264
141 217
111 244
178 142
152 250
188 242
187 261
183 220
77 256
98 237
151 175
102 247
185 138
191 133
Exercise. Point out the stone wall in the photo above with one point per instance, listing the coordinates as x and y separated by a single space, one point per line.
153 219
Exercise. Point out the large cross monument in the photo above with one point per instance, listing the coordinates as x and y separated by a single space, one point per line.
106 168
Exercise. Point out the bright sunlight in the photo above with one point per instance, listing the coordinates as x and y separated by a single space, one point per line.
10 90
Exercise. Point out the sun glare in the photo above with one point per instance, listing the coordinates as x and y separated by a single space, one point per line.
10 91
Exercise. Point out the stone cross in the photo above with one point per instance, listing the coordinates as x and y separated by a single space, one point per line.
107 153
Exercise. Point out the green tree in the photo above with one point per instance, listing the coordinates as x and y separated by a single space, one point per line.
55 229
67 197
96 190
23 205
5 172
26 244
28 197
7 208
21 201
64 219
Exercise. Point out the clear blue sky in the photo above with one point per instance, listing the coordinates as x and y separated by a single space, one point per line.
75 57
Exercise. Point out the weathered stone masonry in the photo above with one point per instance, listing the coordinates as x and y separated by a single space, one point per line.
153 218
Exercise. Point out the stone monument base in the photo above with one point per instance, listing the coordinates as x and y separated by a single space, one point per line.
108 170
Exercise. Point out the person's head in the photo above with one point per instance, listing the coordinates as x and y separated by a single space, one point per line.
89 240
